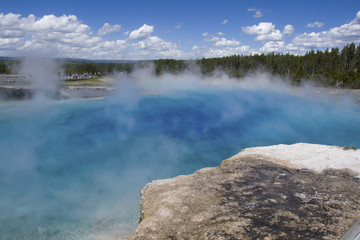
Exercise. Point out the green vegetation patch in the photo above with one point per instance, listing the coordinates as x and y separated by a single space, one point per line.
95 81
350 148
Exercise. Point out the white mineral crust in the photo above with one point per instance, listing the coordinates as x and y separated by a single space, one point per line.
311 156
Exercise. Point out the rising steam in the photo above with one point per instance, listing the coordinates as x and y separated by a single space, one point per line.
42 75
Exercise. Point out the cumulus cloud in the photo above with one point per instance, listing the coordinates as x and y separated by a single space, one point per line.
107 28
212 39
224 22
337 36
273 38
260 29
66 36
13 25
153 43
195 48
46 34
265 31
228 51
220 52
258 12
142 32
154 46
288 29
224 42
315 25
273 46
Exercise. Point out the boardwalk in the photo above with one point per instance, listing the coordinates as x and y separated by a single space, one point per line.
13 78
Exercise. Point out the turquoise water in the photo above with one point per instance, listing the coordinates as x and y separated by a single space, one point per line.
72 169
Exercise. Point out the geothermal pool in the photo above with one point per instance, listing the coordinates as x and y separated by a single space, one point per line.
72 169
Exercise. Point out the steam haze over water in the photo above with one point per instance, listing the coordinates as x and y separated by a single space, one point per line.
72 169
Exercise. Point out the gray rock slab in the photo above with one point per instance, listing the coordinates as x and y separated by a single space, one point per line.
250 198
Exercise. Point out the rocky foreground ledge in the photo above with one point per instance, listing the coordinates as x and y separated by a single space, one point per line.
300 191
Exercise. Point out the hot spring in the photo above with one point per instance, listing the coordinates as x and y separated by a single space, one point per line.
72 169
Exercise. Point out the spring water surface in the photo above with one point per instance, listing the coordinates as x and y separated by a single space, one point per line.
72 169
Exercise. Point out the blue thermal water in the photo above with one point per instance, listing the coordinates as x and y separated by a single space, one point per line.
73 169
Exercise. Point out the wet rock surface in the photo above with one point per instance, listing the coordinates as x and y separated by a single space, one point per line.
250 198
15 93
65 92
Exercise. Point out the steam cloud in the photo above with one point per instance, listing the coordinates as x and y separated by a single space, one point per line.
73 168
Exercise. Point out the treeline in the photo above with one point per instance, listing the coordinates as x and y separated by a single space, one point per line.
12 66
4 68
332 67
104 68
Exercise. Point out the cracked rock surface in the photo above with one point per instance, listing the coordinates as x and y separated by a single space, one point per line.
250 197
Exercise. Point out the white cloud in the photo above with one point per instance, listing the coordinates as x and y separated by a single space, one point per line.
295 49
212 39
154 43
258 12
274 35
315 25
288 29
224 42
107 28
178 26
66 36
265 31
273 46
224 22
261 29
142 32
199 52
48 34
220 42
337 36
12 25
155 47
10 42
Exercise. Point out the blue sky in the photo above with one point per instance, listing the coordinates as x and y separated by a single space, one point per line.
150 29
